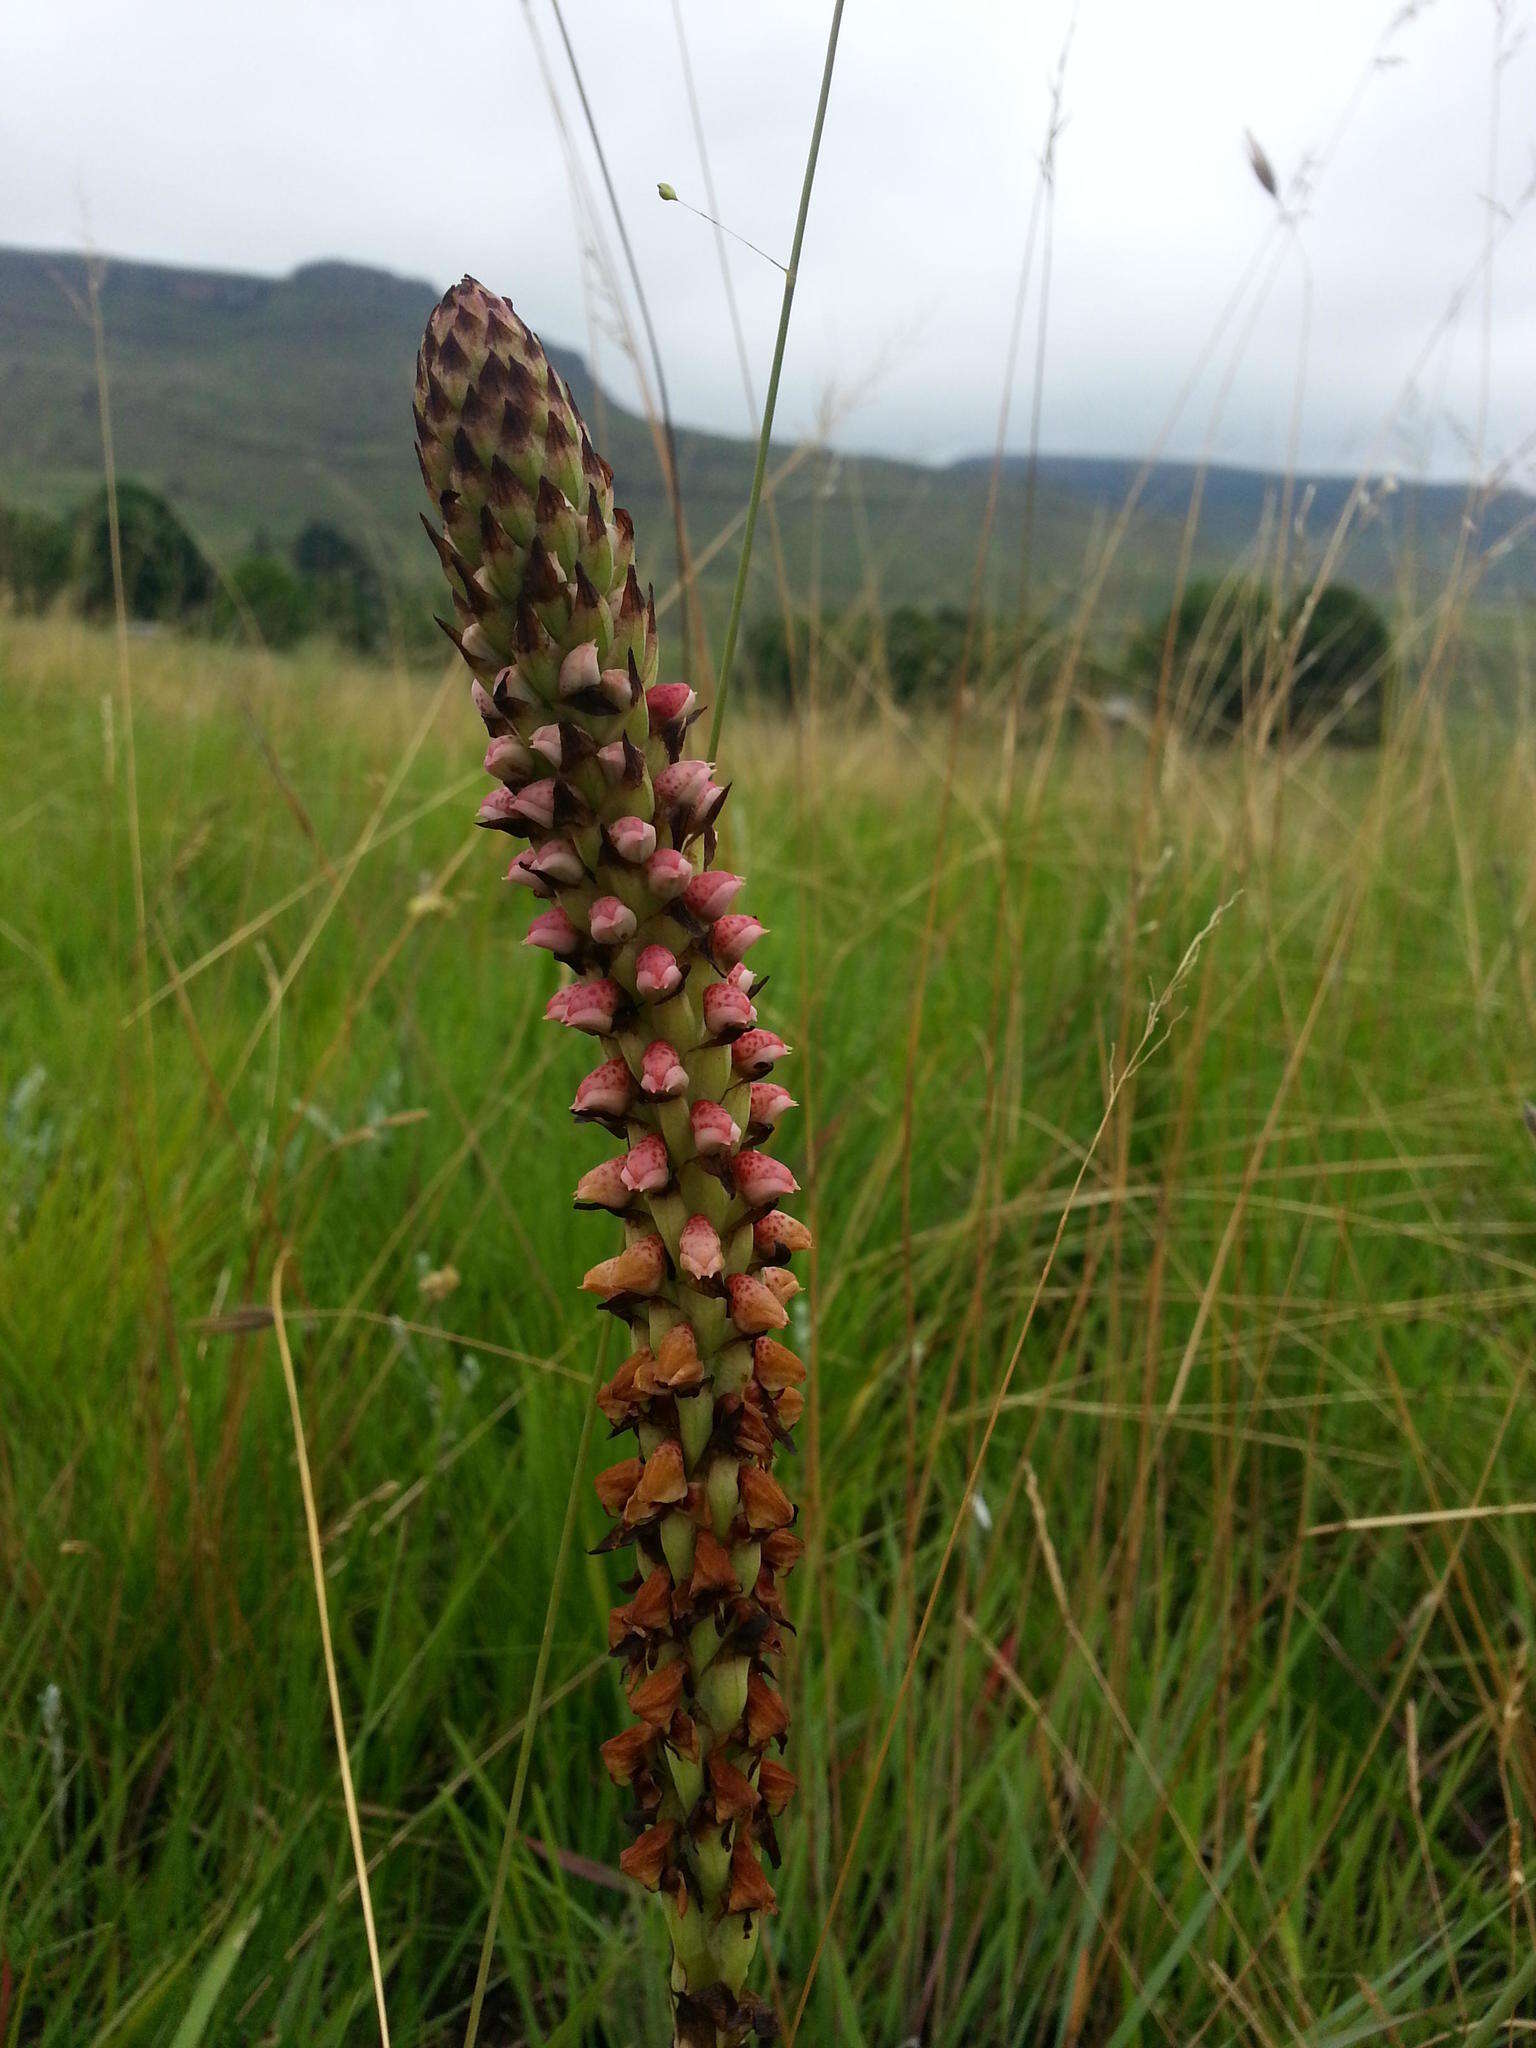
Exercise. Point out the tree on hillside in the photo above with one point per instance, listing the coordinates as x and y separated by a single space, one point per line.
1342 664
347 590
165 575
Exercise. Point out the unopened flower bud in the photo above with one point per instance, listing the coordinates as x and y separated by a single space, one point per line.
553 931
647 1169
579 671
606 1092
711 894
610 921
668 873
760 1179
662 1073
699 1253
639 1269
679 783
632 839
593 1005
713 1129
754 1053
667 702
732 936
727 1011
657 974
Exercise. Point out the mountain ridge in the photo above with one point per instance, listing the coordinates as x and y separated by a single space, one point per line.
258 402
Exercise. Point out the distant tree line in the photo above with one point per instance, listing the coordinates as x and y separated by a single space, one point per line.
1231 654
917 653
323 582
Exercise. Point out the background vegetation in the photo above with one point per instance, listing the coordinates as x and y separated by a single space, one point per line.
1184 1759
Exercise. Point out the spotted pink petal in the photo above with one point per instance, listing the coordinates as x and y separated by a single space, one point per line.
535 804
647 1169
667 702
713 1128
639 1269
767 1103
557 861
498 809
711 894
679 783
742 977
727 1010
657 974
754 1309
604 1187
606 1091
508 759
593 1005
760 1180
698 1249
669 873
554 932
754 1053
610 921
776 1236
730 937
662 1073
632 839
524 874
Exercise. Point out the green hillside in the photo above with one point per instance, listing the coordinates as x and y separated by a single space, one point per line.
257 404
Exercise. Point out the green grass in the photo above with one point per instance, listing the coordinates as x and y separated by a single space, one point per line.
1186 1773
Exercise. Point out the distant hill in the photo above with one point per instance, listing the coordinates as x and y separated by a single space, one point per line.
259 403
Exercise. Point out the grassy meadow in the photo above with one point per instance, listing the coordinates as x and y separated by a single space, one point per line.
1176 1090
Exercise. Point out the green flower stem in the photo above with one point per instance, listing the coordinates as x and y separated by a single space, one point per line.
723 682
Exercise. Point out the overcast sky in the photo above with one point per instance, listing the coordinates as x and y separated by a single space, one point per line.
421 137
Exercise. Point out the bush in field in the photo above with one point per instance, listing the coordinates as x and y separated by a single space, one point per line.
34 556
1228 645
1341 666
346 591
265 594
1213 642
165 575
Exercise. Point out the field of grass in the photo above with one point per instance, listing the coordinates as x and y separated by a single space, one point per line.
1182 1760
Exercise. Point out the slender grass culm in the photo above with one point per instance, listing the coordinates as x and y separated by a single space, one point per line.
587 750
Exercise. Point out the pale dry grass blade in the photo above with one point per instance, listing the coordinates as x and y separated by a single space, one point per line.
317 1568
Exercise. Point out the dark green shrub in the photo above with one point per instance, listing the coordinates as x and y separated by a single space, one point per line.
34 556
1342 666
266 595
1222 636
165 575
1228 647
347 591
